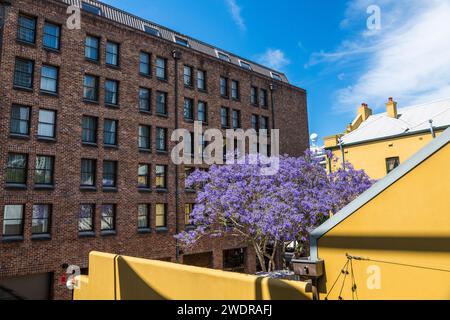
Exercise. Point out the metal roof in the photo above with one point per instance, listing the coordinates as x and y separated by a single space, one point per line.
135 22
410 120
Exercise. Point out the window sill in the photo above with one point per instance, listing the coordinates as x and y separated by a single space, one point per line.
46 139
108 233
86 234
189 87
162 190
96 102
162 115
49 93
110 189
110 146
162 152
26 43
89 144
225 97
146 112
189 227
190 191
254 105
149 76
16 186
145 150
87 189
162 230
202 90
19 136
41 237
52 50
112 66
112 105
144 231
162 79
145 190
44 187
26 89
188 120
92 60
12 239
236 99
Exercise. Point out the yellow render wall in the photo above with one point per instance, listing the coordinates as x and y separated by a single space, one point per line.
408 228
371 157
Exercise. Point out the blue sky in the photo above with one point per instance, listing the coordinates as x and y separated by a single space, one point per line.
325 47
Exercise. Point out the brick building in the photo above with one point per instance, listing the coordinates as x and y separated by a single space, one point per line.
86 119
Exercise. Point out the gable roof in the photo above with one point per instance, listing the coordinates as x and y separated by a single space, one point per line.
413 119
130 20
378 188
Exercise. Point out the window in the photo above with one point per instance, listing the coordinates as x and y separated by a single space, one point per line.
236 119
88 170
144 176
23 73
91 49
392 163
182 42
161 139
160 213
255 124
16 170
254 95
13 220
89 134
187 172
201 80
40 223
27 29
112 53
86 222
264 123
161 68
151 30
49 79
187 76
202 112
44 170
91 8
143 216
108 222
245 65
161 103
109 174
110 132
90 88
263 98
223 87
144 99
111 92
144 63
188 109
47 123
144 137
223 56
161 177
276 76
52 34
235 90
20 120
225 117
188 208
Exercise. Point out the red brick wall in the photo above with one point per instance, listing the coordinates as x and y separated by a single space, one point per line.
33 257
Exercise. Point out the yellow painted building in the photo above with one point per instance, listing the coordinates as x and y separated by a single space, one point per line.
393 242
379 143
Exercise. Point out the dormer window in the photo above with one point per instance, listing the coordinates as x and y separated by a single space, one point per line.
91 8
223 56
276 76
182 41
245 65
151 30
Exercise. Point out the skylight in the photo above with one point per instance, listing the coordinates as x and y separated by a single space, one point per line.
91 8
182 41
276 76
245 65
151 30
223 56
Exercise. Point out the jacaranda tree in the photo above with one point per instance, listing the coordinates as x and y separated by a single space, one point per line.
269 211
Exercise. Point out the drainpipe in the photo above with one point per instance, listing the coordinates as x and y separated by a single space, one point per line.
433 133
176 57
272 98
341 146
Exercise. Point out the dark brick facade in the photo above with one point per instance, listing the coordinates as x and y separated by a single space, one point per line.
31 256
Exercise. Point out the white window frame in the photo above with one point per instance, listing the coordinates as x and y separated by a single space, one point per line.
241 62
174 36
218 53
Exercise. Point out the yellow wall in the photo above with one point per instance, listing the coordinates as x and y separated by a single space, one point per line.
125 278
407 224
371 157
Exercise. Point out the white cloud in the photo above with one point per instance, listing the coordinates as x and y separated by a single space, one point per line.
274 58
408 59
235 11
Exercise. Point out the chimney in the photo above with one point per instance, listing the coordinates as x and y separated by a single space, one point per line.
391 108
364 111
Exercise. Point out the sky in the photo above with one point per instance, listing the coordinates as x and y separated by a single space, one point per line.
343 53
